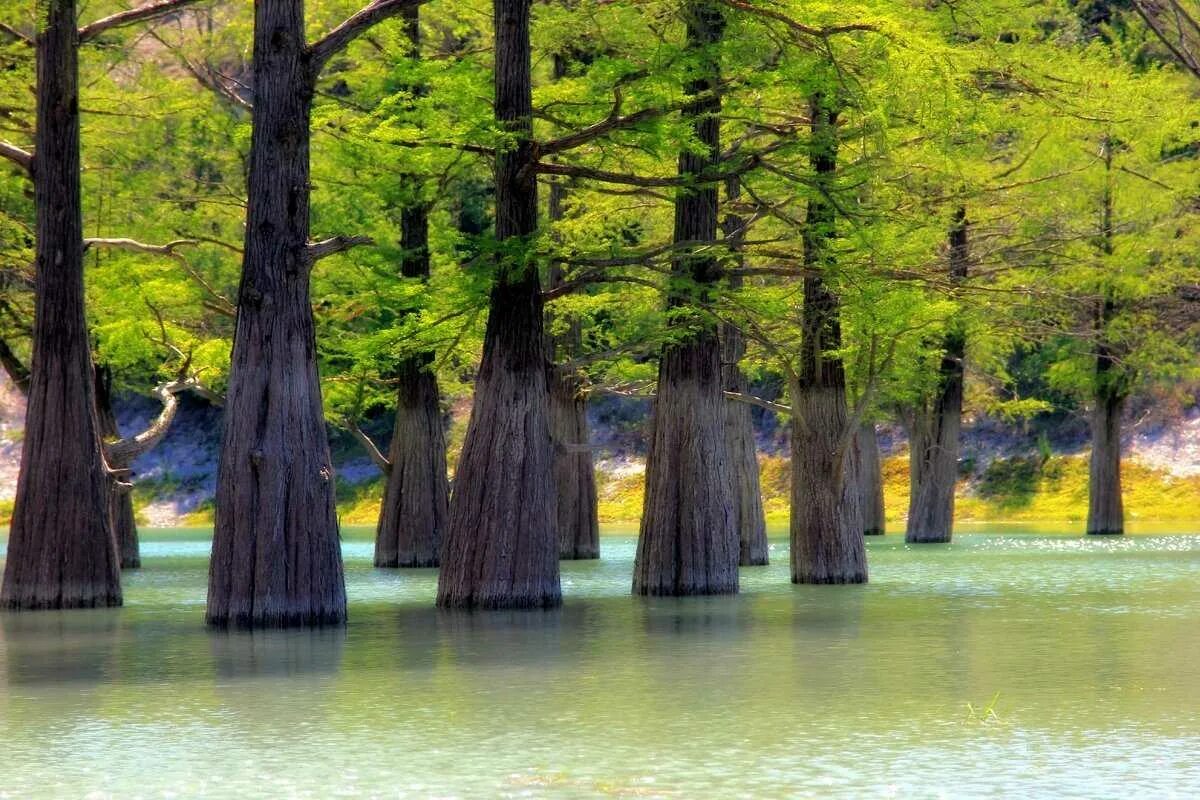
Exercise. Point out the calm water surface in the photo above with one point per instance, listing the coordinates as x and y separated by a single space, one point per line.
1007 664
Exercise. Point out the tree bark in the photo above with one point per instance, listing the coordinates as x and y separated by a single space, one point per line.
416 498
1106 511
574 468
276 554
61 550
870 480
120 500
689 537
826 522
753 549
934 437
501 548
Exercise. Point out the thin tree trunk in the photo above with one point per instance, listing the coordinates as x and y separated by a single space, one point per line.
870 480
751 523
276 554
574 468
501 547
1106 512
934 437
826 522
689 537
61 550
416 498
120 499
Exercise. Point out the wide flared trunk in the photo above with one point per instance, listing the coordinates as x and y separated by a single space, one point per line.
743 455
574 471
501 547
688 542
870 480
120 498
826 522
416 499
61 550
1106 510
934 434
276 557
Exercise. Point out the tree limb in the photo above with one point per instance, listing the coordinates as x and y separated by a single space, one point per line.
22 158
9 30
121 453
131 17
320 51
336 244
135 246
750 399
377 456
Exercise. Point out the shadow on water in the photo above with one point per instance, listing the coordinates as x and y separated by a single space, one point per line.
276 653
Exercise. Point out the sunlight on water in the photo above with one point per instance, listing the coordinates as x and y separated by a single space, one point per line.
1004 664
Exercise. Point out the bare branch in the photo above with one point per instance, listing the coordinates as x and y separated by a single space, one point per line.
797 27
377 456
135 246
22 158
9 30
122 452
131 17
336 244
356 25
750 399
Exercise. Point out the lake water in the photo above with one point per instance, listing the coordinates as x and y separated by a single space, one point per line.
1006 664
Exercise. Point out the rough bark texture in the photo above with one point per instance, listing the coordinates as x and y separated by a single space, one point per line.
689 537
416 499
934 434
276 555
120 500
739 420
1106 511
501 547
826 522
574 468
61 551
870 480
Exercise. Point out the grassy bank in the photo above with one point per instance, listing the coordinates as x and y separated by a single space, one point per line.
1027 489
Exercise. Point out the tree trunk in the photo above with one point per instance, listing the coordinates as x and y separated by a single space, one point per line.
1106 512
416 499
61 550
276 554
501 548
739 419
870 480
574 468
934 434
120 499
826 522
689 536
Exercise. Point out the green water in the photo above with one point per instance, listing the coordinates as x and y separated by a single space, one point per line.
1005 665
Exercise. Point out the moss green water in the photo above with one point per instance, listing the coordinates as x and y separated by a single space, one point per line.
1004 664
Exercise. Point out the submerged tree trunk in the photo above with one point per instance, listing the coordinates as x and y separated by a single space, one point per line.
501 547
574 468
935 430
416 499
689 538
120 499
276 557
826 522
739 420
1106 510
61 551
870 480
